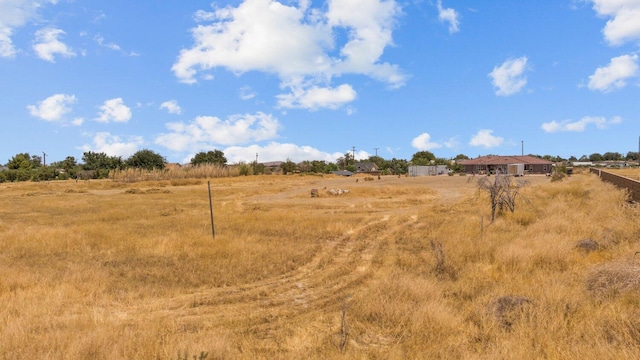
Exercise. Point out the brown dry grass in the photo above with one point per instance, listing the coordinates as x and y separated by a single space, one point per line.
397 268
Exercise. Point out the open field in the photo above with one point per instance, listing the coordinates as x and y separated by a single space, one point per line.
397 268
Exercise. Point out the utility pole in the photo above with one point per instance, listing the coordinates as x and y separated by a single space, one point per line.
44 162
376 149
522 147
353 148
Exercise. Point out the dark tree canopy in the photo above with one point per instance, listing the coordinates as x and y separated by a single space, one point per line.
423 158
209 157
632 155
595 157
146 159
101 161
288 167
23 161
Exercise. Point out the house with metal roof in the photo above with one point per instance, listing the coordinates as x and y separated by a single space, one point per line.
498 164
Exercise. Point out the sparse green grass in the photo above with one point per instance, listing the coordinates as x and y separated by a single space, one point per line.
111 270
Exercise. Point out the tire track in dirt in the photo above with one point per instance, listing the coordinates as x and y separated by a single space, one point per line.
337 269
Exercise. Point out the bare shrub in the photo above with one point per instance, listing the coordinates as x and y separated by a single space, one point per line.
503 192
506 309
614 278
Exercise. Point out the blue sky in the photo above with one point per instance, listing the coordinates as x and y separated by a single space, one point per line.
310 80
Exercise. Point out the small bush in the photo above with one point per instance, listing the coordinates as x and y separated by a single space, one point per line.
614 278
587 245
505 309
557 176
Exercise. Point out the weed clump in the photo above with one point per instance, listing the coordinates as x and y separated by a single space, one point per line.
614 278
587 245
442 270
506 309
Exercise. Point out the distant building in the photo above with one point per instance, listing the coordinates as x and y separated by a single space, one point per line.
366 167
342 173
495 164
430 170
582 163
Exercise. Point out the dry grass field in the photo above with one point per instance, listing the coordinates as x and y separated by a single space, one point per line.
398 268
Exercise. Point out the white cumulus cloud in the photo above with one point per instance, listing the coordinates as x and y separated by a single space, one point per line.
114 145
47 45
53 108
509 78
114 110
172 107
315 98
7 49
449 15
580 125
624 20
295 43
274 151
15 14
423 142
614 75
486 139
210 131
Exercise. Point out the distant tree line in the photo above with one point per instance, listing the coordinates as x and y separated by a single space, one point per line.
97 165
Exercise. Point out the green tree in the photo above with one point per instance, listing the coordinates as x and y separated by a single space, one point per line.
423 158
101 161
461 157
68 165
398 166
23 167
595 157
612 156
320 167
632 156
22 161
380 162
346 161
209 157
288 167
314 166
146 159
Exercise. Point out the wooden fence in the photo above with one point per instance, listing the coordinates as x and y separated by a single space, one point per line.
633 186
